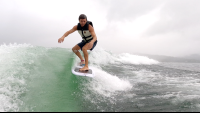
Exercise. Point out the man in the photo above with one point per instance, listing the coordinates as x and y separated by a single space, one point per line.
86 30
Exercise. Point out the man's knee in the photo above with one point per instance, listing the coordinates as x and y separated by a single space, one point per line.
84 49
74 50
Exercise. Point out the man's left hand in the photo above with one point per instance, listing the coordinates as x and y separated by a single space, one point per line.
90 45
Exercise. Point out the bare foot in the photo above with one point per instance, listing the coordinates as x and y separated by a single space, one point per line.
85 68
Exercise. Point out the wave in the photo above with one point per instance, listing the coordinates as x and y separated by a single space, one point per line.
13 74
101 56
22 63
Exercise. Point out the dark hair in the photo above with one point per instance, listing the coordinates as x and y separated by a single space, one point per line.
82 16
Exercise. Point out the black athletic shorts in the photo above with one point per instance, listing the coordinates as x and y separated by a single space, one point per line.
81 44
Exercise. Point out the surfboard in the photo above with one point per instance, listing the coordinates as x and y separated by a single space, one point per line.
89 73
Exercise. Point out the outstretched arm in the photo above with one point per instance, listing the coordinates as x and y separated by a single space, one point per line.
67 33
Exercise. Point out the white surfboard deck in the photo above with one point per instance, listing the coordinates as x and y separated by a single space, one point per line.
89 73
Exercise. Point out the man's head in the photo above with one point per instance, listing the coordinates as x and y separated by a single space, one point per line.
82 19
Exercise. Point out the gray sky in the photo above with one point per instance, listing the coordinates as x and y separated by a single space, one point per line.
163 27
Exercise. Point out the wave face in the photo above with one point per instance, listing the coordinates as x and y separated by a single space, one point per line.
39 79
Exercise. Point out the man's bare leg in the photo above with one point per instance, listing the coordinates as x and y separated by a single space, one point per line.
75 50
85 68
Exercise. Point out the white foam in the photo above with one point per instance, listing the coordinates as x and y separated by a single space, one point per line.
135 59
144 76
180 89
10 89
16 45
101 56
106 84
13 74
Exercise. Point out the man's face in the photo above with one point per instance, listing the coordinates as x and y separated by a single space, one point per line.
82 22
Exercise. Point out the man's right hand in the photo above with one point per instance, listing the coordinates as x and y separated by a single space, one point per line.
67 33
60 39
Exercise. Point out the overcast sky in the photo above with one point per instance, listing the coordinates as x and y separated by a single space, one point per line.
162 27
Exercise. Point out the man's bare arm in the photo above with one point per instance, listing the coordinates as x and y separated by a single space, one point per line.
67 33
70 31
